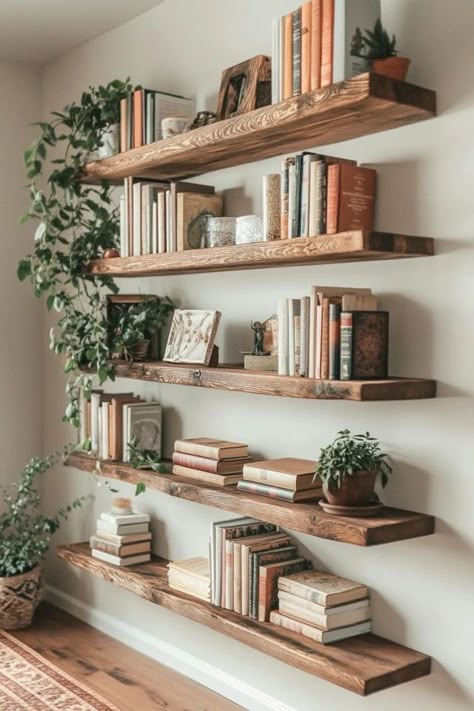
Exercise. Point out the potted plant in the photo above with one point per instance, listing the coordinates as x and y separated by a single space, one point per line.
382 53
133 325
25 535
348 469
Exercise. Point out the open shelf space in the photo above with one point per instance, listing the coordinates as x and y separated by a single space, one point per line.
362 664
355 246
367 104
237 379
391 525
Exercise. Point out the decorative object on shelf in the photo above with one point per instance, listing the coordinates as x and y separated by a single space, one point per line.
245 87
123 536
191 338
111 254
221 231
142 429
266 363
383 55
348 469
249 229
134 324
146 459
263 356
110 142
259 330
25 538
272 207
203 118
173 126
194 212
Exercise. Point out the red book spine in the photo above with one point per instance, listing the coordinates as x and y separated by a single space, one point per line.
138 118
327 43
333 196
193 462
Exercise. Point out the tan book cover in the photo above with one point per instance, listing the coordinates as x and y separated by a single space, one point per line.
316 21
351 198
193 211
352 302
120 550
116 423
287 473
288 56
281 538
275 541
327 42
306 37
327 622
322 588
322 609
125 539
196 567
206 477
211 448
316 633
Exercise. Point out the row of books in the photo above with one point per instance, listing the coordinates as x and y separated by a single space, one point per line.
142 112
158 217
191 576
317 194
122 537
321 606
320 43
111 422
211 461
287 479
337 333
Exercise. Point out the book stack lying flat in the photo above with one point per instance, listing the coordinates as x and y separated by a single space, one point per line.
191 577
247 556
322 606
122 539
285 479
213 461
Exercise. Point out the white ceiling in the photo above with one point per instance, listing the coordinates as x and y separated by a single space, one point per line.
40 30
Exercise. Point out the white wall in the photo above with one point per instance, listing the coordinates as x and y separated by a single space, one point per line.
20 312
422 589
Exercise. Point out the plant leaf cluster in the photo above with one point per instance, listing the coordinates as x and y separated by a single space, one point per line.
378 44
129 323
349 454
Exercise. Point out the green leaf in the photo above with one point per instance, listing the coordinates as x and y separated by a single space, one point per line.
24 269
140 488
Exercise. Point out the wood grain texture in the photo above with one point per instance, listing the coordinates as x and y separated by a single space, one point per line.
235 379
367 104
353 246
363 664
391 525
128 679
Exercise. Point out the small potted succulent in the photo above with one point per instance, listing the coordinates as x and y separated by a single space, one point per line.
382 54
348 469
133 325
25 537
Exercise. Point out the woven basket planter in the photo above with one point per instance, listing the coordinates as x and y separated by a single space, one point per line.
19 598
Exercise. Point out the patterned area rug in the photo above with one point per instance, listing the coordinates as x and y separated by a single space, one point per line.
28 682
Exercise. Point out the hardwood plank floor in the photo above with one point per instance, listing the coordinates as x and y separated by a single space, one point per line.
130 680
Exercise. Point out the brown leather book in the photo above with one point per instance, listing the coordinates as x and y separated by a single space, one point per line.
316 28
364 345
327 42
138 101
306 21
288 57
350 198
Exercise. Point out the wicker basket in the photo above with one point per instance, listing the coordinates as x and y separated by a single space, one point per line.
19 598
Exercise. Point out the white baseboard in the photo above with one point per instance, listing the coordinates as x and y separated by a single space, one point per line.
226 685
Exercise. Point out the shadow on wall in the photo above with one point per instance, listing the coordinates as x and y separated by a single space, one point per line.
408 354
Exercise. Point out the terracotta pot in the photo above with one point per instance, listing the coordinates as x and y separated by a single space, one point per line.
393 67
19 598
356 490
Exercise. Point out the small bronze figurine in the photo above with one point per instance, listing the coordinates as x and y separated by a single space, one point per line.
259 330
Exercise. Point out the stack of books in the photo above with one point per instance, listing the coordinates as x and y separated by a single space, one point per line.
190 577
321 606
212 461
320 43
286 479
158 217
337 333
142 112
122 539
110 422
247 557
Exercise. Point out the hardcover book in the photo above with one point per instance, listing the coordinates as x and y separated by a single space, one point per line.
242 550
271 207
216 449
206 477
275 492
287 473
193 213
342 619
268 583
121 562
351 198
364 345
261 558
316 633
213 466
322 588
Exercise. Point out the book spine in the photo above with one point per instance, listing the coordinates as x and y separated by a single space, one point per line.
292 197
288 57
138 118
304 337
161 222
334 341
263 476
229 575
194 462
327 42
275 62
319 333
237 579
196 449
281 58
320 198
346 346
297 52
316 44
296 197
123 124
312 334
271 207
325 339
333 198
302 591
306 24
295 626
305 195
297 326
97 544
284 198
283 337
291 336
274 492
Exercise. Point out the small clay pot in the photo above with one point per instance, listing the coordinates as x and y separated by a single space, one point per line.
111 253
356 490
393 67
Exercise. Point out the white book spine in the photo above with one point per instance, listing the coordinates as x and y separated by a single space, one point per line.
123 235
95 404
283 337
291 337
105 453
291 197
137 220
308 160
304 337
312 335
275 62
169 245
161 222
281 58
125 432
319 336
154 227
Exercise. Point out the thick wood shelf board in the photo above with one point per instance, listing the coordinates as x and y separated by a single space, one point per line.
363 664
391 525
367 104
268 383
353 246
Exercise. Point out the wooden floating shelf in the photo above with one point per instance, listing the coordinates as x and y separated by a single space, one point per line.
391 525
353 246
362 664
237 379
367 104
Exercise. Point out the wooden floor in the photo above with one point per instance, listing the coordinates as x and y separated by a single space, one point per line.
130 680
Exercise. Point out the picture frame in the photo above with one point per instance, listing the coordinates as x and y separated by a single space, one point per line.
245 87
192 335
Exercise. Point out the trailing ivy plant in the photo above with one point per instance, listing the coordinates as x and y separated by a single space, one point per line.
76 222
146 459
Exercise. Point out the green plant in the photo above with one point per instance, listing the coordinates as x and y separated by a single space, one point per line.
131 323
25 533
349 454
146 459
378 42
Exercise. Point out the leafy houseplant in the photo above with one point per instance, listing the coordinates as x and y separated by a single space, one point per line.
133 325
380 50
348 469
25 536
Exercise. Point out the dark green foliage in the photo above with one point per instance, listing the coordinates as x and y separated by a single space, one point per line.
349 454
146 459
130 323
378 42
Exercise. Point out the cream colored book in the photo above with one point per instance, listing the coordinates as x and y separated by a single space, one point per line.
322 588
123 540
316 633
195 567
206 477
343 619
273 541
352 302
211 448
322 609
287 473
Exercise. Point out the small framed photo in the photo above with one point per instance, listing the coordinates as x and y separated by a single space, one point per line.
192 335
245 87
